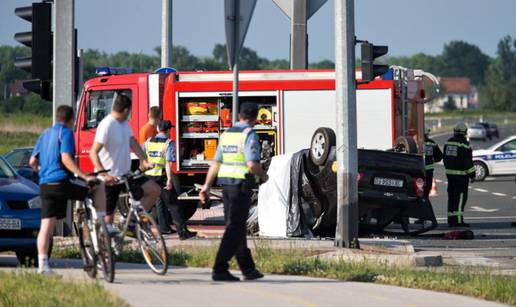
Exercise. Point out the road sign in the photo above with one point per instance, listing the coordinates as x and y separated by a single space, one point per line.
237 15
287 6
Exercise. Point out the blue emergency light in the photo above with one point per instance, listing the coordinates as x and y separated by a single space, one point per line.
165 70
106 71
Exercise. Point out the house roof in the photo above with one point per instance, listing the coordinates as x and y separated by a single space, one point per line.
456 85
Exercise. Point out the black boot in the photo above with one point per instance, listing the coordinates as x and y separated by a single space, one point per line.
185 234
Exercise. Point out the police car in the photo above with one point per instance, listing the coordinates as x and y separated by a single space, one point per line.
497 160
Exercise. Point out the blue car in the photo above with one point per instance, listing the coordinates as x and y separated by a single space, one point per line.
19 159
20 214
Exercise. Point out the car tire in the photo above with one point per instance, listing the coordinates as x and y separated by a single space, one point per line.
405 145
481 171
322 141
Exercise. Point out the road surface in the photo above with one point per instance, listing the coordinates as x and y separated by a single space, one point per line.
193 287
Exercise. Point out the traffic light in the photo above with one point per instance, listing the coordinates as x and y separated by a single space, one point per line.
369 53
40 40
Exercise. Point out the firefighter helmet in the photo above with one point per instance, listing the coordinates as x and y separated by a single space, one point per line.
460 128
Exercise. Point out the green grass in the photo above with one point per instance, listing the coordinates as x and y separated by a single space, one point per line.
12 140
31 289
466 281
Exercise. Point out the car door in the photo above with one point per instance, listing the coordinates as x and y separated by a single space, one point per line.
504 159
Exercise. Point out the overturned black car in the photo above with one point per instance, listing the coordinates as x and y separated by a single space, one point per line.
390 191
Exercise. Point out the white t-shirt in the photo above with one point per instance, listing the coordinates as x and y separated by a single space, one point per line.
115 155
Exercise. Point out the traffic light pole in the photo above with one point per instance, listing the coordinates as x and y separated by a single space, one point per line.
347 161
64 57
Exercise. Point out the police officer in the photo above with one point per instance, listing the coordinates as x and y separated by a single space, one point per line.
433 154
160 151
458 162
238 168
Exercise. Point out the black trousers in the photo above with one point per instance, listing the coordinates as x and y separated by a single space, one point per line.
429 178
457 197
237 200
167 206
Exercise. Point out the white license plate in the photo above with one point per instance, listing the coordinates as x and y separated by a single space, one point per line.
10 224
388 182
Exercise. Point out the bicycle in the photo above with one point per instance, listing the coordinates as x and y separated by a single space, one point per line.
94 239
150 240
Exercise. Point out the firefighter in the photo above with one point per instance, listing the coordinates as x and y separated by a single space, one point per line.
459 170
160 151
237 164
433 154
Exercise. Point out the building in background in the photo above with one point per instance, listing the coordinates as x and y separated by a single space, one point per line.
457 93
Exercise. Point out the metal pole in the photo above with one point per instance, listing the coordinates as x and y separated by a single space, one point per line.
64 64
80 75
166 33
236 41
298 52
347 162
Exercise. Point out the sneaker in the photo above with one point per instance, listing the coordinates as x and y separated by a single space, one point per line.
254 274
47 272
226 276
112 230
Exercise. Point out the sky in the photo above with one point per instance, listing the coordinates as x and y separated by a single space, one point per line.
406 26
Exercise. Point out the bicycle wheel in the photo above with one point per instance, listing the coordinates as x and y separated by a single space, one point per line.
151 243
106 259
86 245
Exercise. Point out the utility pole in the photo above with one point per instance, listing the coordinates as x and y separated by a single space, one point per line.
299 38
236 69
347 161
166 33
64 54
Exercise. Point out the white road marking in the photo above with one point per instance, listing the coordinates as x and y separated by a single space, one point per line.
499 194
490 179
438 180
481 190
483 218
480 209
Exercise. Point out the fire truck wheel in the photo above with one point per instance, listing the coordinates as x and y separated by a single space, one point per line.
322 141
405 145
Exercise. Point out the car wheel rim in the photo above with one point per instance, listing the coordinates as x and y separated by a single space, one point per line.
318 145
479 171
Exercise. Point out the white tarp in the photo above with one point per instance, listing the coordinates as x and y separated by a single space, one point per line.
273 198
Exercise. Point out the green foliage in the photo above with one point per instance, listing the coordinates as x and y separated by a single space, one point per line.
12 140
31 289
499 92
449 105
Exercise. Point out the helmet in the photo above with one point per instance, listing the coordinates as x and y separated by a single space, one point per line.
427 130
460 128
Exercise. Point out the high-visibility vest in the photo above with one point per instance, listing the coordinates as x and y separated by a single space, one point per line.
234 164
155 150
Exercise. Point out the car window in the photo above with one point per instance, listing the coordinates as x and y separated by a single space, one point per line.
5 170
19 158
100 104
508 146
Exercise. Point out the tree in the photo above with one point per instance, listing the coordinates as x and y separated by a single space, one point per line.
499 92
449 105
461 59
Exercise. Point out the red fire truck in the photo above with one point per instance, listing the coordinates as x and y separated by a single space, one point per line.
292 105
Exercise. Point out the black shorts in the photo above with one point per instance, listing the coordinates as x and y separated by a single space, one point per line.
55 197
113 193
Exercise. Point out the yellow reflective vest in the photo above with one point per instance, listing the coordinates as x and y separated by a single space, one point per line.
156 149
234 164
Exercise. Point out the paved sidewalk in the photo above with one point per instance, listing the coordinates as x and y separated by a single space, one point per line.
193 287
